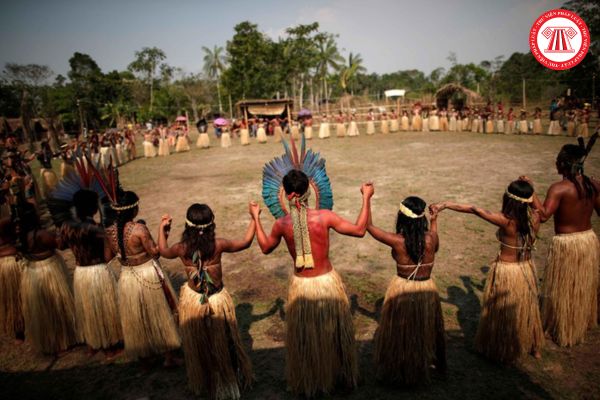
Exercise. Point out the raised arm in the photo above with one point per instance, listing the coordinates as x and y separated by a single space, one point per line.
551 202
233 246
380 235
163 235
494 218
359 228
267 243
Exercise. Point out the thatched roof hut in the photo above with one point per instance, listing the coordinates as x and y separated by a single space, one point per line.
453 95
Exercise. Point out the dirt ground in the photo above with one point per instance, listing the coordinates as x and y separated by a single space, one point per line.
464 167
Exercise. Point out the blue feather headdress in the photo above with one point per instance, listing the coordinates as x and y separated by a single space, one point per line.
307 161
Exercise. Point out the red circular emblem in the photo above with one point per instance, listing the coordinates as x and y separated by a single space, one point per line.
559 39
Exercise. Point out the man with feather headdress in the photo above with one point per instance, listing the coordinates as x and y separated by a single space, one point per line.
321 350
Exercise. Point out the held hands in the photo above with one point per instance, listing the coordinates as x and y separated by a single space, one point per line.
434 209
367 189
254 209
165 223
526 179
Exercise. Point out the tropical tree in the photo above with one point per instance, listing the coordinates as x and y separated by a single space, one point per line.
328 56
214 65
350 71
147 62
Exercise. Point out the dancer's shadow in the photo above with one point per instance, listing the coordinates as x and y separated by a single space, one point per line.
374 315
245 317
467 302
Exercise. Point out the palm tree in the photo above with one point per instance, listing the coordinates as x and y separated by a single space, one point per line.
328 56
214 64
349 72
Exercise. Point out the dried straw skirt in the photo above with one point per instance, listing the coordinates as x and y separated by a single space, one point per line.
295 132
96 306
244 137
215 359
308 132
489 126
385 126
11 314
417 123
353 129
225 140
203 141
146 319
394 125
510 324
340 130
370 127
163 147
570 291
537 126
410 336
404 123
278 134
182 144
321 351
323 130
48 308
523 127
261 135
149 150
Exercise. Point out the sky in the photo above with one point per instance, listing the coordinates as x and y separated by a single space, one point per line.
390 35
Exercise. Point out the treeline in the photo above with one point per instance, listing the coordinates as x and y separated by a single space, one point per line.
306 65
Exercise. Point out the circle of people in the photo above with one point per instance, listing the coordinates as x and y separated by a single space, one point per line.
141 310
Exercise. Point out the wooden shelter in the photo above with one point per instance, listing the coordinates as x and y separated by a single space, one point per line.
265 108
456 96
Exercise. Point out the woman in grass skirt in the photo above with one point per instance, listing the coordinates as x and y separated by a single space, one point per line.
216 361
11 271
410 337
510 324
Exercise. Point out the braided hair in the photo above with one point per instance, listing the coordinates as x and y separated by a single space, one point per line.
568 163
413 229
123 217
196 238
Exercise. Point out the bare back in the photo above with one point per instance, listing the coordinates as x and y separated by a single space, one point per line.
572 213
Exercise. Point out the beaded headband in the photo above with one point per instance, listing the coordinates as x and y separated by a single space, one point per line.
517 198
123 208
409 213
198 226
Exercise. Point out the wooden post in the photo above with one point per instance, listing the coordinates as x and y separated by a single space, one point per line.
398 105
187 121
246 116
524 96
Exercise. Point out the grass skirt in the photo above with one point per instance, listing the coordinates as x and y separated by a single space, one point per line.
410 336
340 130
523 127
510 324
582 130
163 147
537 126
489 126
323 130
353 129
385 126
278 134
444 124
225 140
370 127
500 126
215 360
308 132
261 135
182 144
570 292
244 137
321 351
295 132
417 123
96 306
394 125
146 319
203 141
11 314
149 150
48 308
434 123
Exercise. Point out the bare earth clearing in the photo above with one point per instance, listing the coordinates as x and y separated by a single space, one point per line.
461 166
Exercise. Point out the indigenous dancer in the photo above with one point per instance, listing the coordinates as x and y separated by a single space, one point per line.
571 123
149 149
394 125
537 121
509 122
215 358
94 285
225 138
352 127
277 131
261 135
523 126
163 141
425 118
146 299
340 127
47 302
47 175
444 120
416 123
403 122
570 289
585 121
489 124
11 314
324 127
244 134
66 164
500 121
476 122
203 141
182 141
131 150
510 324
370 122
294 129
318 358
410 336
308 122
385 124
434 120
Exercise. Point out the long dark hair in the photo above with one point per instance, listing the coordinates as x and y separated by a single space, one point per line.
124 216
569 164
28 221
520 212
413 229
199 239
